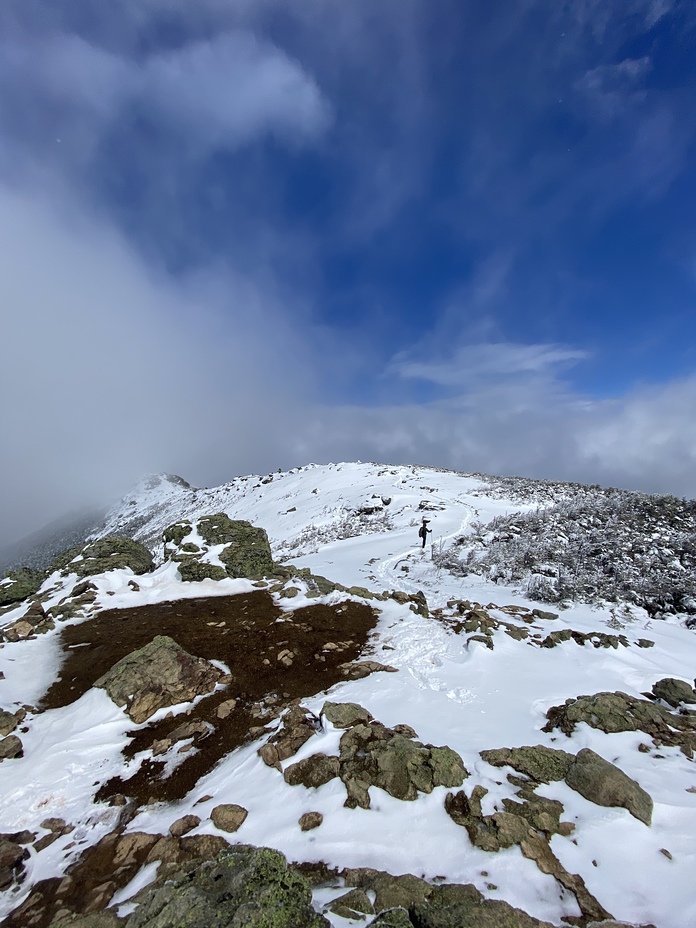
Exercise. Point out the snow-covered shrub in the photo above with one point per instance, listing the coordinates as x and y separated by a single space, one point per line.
592 545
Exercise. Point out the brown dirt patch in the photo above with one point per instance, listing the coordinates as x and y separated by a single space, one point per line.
242 631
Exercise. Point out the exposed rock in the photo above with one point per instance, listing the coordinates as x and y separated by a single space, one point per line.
193 570
352 904
540 763
243 886
12 857
11 747
373 755
393 918
105 919
225 708
158 675
463 906
313 771
110 553
19 584
614 712
390 891
297 728
310 820
183 825
228 816
674 691
603 783
536 848
360 669
9 721
344 714
504 829
597 639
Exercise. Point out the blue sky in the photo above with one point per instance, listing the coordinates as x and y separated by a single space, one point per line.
241 235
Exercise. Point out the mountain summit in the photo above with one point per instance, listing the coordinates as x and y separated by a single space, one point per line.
496 728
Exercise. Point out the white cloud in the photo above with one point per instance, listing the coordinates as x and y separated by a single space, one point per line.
111 369
223 92
470 363
234 88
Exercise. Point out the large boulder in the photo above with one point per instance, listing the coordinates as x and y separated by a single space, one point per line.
615 712
17 585
674 691
463 906
160 674
110 553
245 551
243 886
313 771
539 762
373 755
603 783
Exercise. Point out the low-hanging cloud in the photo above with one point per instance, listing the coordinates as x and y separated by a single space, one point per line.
111 369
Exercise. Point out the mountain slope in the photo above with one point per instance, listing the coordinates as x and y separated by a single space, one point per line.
474 678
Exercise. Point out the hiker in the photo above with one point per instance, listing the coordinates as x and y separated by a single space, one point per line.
424 531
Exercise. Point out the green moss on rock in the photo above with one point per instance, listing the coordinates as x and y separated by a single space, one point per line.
110 553
24 582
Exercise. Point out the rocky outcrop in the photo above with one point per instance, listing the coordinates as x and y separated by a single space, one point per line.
463 906
345 714
160 674
603 783
540 763
675 692
110 553
615 712
374 755
298 727
313 771
19 584
244 549
505 829
243 886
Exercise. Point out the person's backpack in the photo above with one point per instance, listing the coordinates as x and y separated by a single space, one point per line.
421 531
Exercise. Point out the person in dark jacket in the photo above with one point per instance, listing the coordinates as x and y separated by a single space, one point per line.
424 531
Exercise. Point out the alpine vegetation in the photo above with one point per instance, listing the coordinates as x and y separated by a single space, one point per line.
594 545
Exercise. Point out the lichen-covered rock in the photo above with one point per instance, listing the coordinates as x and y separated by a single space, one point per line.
192 570
19 584
245 551
373 755
464 907
110 553
393 918
539 762
674 691
344 714
615 712
244 887
603 783
160 674
352 904
390 891
313 771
